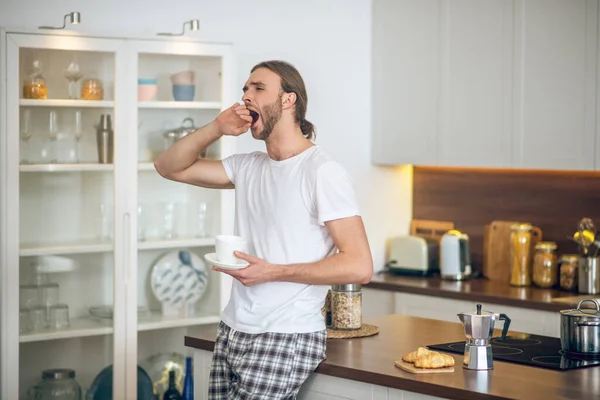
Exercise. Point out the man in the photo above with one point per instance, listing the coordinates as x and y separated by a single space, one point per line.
296 208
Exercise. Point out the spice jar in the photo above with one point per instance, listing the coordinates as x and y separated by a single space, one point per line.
569 264
545 267
92 89
346 306
520 254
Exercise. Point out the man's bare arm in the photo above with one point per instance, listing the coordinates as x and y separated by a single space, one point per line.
180 162
352 264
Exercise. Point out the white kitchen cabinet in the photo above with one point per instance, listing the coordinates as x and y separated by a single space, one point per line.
405 81
486 84
107 224
556 50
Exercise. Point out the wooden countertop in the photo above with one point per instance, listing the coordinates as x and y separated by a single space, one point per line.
482 290
371 360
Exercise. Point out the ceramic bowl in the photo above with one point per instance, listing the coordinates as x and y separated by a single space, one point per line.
184 92
183 78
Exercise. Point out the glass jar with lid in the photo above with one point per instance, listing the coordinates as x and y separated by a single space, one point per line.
92 89
56 384
520 254
34 87
545 266
569 265
346 306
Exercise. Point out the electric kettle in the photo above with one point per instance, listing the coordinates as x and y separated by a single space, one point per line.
455 256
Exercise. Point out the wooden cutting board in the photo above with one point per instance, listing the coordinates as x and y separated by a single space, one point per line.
412 369
496 249
430 228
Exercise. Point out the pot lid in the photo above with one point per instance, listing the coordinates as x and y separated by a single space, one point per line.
586 312
182 131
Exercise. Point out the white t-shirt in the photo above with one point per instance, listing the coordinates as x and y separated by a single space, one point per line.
281 208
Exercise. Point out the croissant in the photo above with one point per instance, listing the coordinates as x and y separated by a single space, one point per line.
434 360
412 356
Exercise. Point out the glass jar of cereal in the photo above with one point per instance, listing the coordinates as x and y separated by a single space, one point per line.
569 264
520 254
346 306
545 267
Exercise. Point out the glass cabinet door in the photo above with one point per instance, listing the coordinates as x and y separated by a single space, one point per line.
64 138
180 87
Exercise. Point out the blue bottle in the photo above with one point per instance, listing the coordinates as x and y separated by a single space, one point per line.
188 385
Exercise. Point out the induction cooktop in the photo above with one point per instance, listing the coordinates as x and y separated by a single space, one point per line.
531 350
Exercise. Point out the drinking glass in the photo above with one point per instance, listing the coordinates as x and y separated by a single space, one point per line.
53 134
25 133
38 319
73 74
78 132
169 221
59 316
201 230
24 321
142 217
106 221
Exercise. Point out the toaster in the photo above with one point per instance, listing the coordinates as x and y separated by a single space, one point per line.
413 255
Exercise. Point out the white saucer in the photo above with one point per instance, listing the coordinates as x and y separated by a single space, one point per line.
212 259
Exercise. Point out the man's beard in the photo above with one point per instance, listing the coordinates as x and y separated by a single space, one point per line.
270 115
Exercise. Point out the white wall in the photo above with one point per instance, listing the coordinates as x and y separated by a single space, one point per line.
328 41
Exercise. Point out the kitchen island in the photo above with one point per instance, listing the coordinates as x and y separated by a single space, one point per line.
363 369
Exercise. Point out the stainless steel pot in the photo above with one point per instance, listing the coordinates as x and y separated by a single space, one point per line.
174 135
580 329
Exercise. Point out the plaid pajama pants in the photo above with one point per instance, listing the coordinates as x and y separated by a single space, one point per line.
265 366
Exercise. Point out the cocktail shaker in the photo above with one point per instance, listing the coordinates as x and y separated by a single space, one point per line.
105 140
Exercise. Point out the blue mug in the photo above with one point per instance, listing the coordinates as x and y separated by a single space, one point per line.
184 92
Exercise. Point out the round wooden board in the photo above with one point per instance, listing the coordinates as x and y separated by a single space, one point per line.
365 330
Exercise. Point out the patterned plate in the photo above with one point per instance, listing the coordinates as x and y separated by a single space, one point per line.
179 277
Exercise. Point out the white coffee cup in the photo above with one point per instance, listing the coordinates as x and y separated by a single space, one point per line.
226 245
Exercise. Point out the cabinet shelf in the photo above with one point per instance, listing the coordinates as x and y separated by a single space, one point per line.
67 103
83 167
181 105
64 248
175 243
95 247
88 326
